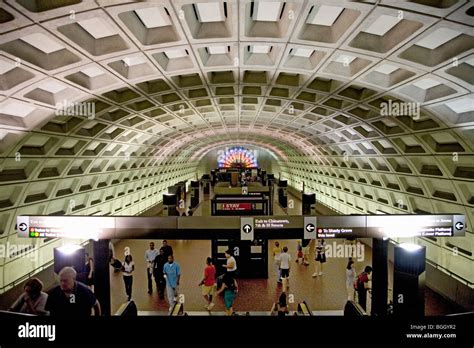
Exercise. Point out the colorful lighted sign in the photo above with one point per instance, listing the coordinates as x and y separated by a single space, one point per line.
237 157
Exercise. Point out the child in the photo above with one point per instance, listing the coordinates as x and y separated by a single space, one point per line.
299 253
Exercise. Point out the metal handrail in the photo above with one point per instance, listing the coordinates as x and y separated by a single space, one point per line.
31 273
26 276
460 314
451 274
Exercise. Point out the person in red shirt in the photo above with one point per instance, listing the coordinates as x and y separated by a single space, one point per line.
208 283
362 286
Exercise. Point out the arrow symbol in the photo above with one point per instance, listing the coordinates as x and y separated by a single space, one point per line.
247 228
459 225
310 227
22 227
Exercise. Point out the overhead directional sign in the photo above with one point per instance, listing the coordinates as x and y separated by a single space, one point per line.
80 227
23 227
259 227
341 227
309 227
246 228
415 225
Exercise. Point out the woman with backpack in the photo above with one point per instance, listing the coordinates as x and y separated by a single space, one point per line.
230 289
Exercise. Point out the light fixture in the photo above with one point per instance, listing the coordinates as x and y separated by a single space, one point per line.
302 52
438 38
153 17
325 16
267 11
69 249
217 49
262 49
210 12
411 247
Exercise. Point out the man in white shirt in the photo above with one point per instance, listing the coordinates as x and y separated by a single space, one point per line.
150 256
285 261
231 264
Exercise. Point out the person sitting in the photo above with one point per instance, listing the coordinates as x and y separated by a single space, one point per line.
33 300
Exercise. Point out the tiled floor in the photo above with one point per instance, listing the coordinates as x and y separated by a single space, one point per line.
326 292
323 293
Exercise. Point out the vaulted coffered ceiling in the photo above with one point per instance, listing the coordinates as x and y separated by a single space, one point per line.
171 80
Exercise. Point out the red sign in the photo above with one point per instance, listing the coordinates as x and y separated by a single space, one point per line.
236 206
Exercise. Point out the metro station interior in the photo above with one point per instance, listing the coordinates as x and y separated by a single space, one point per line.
195 118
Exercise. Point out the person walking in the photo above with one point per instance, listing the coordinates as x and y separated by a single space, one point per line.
305 244
231 264
285 260
320 258
128 267
230 288
150 256
299 252
362 286
350 278
167 249
158 264
208 283
276 260
89 272
282 305
172 274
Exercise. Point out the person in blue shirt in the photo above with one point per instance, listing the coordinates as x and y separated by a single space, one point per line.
172 273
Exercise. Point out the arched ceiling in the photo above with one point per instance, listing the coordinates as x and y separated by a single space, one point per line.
171 80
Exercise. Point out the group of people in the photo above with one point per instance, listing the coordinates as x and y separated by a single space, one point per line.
282 258
229 285
70 298
359 284
162 267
